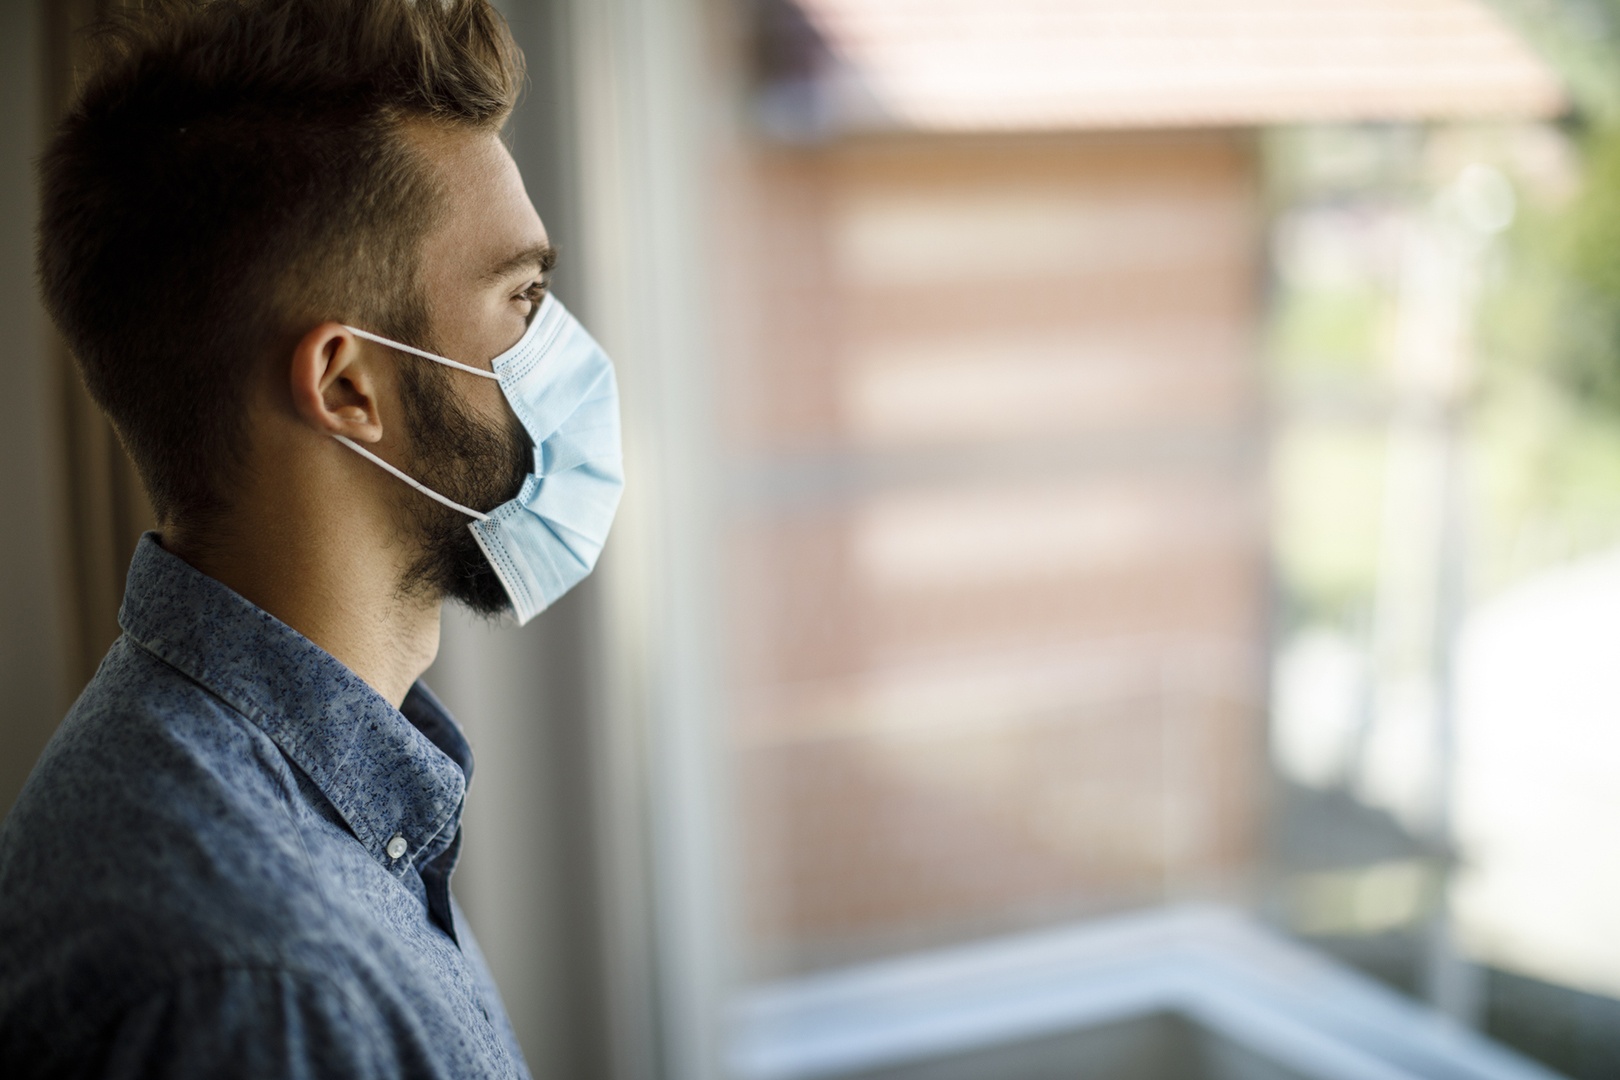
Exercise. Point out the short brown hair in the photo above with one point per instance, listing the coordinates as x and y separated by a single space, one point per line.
233 172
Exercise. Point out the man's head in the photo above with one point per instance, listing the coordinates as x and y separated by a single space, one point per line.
234 172
240 177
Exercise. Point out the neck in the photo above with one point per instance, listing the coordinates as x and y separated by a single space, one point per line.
336 589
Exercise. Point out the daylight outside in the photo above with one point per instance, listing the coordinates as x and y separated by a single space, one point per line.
1173 523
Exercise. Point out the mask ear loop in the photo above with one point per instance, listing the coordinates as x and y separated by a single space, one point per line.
423 488
437 359
423 353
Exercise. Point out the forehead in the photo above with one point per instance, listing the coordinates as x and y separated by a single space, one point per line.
486 214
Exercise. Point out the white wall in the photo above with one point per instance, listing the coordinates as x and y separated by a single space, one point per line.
525 877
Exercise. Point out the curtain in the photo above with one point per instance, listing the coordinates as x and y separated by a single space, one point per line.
103 510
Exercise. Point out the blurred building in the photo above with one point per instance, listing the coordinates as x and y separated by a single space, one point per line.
998 536
996 510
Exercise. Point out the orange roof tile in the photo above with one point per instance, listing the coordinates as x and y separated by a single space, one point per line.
968 65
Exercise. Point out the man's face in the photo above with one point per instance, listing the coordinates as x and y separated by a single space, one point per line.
483 274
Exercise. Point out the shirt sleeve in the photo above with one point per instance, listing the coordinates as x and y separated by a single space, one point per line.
235 1023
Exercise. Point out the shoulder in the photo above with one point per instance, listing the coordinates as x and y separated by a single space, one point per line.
154 836
145 760
144 726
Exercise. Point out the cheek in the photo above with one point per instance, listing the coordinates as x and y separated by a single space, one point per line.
488 403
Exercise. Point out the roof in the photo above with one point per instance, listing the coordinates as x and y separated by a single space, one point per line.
1007 65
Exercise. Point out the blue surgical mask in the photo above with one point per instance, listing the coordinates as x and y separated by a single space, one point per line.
560 384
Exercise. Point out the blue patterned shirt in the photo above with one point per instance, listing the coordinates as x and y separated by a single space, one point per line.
233 860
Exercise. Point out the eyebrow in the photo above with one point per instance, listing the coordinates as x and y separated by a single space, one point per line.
543 256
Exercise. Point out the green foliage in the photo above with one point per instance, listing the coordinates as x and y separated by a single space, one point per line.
1330 332
1586 346
1580 38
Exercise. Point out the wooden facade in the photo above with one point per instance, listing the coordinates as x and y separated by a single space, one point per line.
995 530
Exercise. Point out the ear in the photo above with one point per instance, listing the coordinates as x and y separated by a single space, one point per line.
333 389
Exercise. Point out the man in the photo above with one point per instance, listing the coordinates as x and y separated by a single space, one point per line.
301 275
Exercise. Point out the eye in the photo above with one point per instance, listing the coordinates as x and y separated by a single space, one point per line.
534 292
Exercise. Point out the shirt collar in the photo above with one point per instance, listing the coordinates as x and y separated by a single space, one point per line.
390 774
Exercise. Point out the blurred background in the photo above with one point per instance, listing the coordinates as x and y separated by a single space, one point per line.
1121 569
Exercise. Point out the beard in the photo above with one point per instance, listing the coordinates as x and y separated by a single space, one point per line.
459 457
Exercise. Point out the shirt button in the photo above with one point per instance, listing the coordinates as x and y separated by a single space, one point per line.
396 847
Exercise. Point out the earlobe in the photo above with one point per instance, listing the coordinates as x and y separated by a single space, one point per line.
332 388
